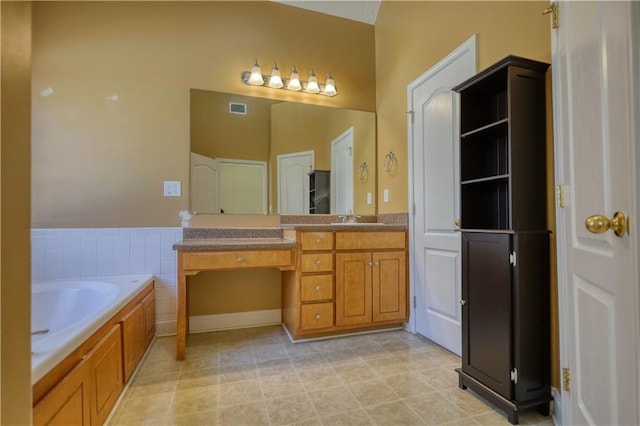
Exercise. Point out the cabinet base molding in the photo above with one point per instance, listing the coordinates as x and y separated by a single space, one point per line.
206 323
512 408
308 337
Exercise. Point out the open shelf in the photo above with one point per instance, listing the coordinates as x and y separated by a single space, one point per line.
485 204
485 152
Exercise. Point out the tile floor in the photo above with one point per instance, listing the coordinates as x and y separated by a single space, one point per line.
258 377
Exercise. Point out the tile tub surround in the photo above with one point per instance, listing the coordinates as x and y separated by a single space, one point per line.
97 252
255 376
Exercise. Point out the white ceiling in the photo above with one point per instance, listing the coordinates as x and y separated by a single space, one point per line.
357 10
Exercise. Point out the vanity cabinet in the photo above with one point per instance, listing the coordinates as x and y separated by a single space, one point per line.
85 386
346 281
88 393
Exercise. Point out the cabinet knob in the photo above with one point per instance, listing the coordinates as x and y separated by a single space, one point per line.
317 288
318 262
370 263
317 316
240 260
463 302
376 263
318 240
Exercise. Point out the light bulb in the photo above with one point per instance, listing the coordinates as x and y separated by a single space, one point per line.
294 81
312 86
330 86
256 75
275 81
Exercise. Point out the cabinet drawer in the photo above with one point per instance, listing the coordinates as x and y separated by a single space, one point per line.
318 262
316 287
317 315
317 240
370 240
236 259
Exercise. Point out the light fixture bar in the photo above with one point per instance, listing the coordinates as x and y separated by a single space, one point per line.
246 75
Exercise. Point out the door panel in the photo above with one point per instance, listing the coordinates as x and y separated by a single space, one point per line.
342 173
594 89
293 182
353 288
205 184
389 286
486 289
434 146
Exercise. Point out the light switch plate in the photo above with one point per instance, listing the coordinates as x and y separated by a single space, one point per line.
172 188
385 196
369 198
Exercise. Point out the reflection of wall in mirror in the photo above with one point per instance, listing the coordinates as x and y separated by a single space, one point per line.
301 127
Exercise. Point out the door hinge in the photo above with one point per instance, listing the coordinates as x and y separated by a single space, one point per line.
414 208
560 196
566 380
553 10
412 116
513 258
415 303
514 375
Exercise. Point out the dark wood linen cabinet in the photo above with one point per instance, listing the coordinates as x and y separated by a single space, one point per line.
505 241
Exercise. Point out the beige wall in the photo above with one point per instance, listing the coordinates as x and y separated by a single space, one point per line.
15 269
411 37
94 158
217 133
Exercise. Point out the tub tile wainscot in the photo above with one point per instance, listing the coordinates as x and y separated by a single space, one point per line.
336 278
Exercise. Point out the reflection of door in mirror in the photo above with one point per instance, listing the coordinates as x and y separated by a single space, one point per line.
293 182
342 173
205 184
222 185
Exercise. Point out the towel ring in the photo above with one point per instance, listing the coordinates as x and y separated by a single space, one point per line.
363 172
389 162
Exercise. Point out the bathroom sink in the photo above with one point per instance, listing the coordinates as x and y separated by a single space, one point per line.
357 224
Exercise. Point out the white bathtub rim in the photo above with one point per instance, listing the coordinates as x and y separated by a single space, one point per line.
128 287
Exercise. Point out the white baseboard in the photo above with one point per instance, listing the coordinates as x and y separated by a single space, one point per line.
204 323
166 328
557 406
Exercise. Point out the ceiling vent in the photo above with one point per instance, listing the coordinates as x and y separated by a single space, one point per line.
237 108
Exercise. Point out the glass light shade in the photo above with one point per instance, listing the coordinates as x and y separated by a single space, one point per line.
276 80
330 86
294 81
256 75
312 86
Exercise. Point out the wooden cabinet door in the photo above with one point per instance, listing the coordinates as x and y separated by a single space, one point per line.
149 308
487 311
389 286
132 340
353 288
69 402
105 368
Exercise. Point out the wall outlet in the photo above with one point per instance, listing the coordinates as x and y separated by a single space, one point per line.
385 196
172 188
369 198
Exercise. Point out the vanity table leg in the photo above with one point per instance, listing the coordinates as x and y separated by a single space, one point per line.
182 323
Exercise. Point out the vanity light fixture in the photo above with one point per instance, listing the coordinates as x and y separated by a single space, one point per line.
293 83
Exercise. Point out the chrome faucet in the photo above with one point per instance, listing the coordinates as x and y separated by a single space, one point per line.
351 218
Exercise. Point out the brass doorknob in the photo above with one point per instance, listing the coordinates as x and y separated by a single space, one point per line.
598 224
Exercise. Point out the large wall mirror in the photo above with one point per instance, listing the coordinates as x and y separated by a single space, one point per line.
254 155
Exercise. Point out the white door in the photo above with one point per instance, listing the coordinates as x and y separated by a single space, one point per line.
434 239
342 173
205 184
595 92
293 182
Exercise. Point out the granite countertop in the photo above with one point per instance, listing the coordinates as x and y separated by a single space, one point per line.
371 226
234 244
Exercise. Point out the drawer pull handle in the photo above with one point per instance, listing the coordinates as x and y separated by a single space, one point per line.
318 262
240 260
318 240
317 288
317 316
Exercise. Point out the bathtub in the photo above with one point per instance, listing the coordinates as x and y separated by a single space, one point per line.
65 313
